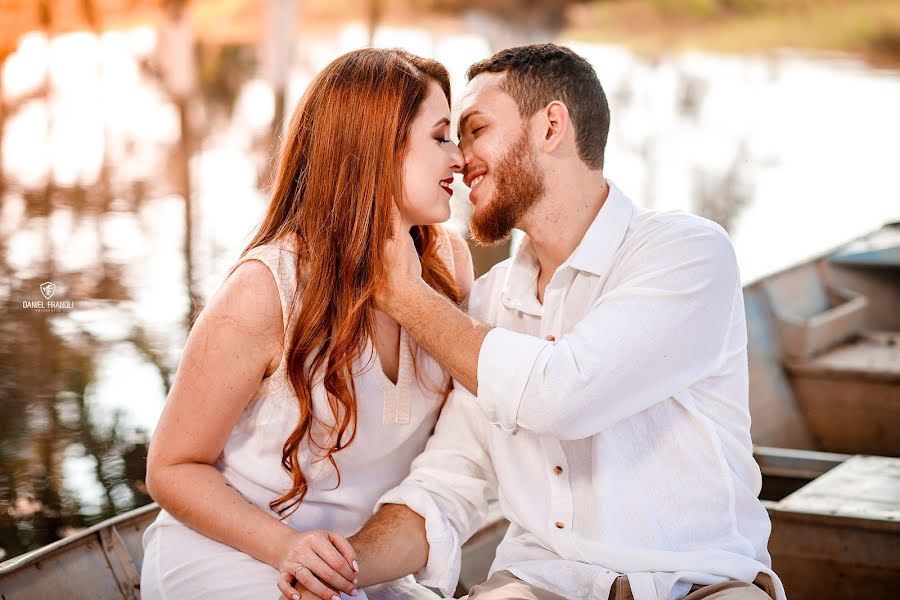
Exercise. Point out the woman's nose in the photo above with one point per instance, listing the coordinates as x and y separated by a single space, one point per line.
457 158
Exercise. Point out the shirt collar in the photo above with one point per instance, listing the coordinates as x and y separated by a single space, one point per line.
594 254
520 287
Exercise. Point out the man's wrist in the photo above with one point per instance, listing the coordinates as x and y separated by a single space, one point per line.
362 559
404 296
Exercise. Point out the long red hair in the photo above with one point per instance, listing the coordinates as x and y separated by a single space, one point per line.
338 172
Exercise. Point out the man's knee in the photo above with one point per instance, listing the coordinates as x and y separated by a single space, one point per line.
730 590
503 585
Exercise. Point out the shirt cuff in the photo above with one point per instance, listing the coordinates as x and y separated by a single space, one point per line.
444 549
505 363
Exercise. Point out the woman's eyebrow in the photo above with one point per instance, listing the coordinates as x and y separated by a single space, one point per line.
444 121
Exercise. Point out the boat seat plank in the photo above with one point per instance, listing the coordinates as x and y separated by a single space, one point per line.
880 249
799 292
874 355
863 487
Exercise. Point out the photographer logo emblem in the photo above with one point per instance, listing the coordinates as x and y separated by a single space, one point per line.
48 289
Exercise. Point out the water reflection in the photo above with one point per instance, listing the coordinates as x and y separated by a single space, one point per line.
48 381
133 187
74 193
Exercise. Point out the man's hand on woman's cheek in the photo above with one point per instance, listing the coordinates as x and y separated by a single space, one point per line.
402 265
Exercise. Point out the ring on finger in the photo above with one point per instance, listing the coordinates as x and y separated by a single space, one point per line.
297 570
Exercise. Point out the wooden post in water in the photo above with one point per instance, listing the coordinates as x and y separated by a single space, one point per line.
179 75
278 48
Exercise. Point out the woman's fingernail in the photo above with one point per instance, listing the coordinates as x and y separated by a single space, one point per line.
355 581
335 598
354 593
295 597
356 566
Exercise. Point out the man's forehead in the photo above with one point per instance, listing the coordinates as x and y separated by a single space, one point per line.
481 92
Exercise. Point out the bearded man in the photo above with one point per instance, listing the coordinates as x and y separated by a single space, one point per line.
601 385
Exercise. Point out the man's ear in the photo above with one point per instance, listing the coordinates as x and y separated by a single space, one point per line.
556 124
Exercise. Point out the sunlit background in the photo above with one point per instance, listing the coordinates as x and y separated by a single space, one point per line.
137 136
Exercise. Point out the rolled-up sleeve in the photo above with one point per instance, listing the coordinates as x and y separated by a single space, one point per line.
661 327
450 486
514 354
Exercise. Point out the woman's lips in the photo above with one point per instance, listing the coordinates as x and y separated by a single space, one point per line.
445 185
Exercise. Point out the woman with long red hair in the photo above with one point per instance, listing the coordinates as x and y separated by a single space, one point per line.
297 404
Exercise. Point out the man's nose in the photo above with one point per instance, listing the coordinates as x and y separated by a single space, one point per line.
465 148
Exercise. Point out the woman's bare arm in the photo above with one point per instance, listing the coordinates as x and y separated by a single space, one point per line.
233 343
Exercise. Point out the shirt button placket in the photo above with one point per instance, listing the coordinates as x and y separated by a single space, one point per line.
562 523
561 481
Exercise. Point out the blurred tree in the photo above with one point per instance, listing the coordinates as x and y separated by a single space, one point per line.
278 49
506 23
176 61
708 8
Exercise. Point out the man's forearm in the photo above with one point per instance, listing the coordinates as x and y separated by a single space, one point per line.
390 545
450 335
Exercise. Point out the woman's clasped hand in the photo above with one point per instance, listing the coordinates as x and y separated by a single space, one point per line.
321 562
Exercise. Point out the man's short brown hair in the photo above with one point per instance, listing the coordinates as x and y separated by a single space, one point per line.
538 74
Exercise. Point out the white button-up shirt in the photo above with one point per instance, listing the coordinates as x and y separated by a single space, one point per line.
611 423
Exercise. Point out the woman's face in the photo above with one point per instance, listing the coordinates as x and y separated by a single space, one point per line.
431 160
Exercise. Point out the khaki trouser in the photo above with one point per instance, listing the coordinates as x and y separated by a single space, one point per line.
503 585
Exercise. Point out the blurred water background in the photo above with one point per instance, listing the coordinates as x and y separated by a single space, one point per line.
136 138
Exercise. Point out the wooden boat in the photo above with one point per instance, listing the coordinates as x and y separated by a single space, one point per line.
824 350
825 379
102 562
824 370
835 534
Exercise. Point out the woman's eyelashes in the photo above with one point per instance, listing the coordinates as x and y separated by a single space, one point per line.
443 140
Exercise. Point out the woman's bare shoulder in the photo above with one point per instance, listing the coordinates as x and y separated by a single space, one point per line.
248 303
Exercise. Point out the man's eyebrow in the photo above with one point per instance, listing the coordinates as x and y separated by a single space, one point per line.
444 121
462 121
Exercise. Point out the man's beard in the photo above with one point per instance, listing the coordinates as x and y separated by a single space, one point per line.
518 185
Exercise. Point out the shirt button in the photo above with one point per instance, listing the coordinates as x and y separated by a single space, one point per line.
560 525
558 470
550 338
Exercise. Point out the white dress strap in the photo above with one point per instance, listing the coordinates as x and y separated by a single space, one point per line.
282 263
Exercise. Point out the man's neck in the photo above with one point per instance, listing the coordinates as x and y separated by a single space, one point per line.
558 223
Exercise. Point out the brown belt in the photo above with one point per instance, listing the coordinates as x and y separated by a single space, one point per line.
621 589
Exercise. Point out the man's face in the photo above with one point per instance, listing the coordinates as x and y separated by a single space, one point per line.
501 166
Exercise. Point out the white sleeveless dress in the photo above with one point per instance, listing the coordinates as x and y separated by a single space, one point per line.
393 424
